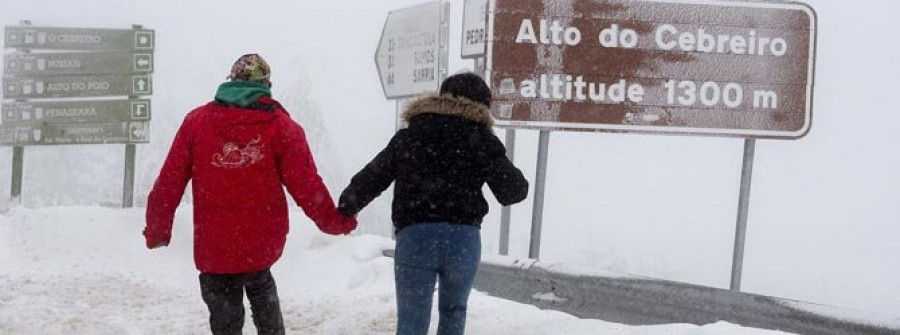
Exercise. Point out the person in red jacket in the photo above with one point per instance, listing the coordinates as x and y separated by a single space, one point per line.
239 150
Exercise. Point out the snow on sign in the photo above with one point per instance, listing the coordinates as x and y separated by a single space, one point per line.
720 68
474 35
412 54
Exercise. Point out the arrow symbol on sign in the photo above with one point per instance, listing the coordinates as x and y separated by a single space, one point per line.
140 110
139 131
141 84
143 62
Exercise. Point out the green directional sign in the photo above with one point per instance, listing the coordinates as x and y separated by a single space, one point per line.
78 63
129 132
19 113
46 38
29 87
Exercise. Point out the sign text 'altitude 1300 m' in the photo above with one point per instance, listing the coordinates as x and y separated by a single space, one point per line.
725 68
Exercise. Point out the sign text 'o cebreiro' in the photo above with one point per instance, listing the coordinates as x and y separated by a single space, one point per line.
720 68
412 53
46 38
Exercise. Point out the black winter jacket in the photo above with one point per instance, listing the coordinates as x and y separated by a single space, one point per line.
440 164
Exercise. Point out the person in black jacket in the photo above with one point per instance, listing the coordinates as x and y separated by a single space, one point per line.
439 164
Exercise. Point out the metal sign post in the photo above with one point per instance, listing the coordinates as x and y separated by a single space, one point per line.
128 183
107 63
540 182
18 154
18 163
474 45
740 235
506 211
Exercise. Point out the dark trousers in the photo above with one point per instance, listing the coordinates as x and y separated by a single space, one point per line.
435 252
224 295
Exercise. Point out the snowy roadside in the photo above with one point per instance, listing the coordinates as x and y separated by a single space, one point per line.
84 270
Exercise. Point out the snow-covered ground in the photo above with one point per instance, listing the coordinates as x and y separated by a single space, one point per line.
84 270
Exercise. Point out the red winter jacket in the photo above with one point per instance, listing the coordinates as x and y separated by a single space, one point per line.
238 160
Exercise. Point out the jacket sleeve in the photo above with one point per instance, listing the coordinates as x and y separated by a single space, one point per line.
505 180
169 188
372 180
301 178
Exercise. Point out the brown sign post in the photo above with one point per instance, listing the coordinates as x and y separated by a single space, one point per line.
722 68
704 67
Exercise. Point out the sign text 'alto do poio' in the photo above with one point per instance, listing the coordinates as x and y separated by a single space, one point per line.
726 68
87 83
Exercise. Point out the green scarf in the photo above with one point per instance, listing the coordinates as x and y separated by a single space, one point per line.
241 93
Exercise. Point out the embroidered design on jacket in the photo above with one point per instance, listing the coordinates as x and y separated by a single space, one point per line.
234 157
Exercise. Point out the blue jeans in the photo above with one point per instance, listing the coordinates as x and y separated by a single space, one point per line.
426 253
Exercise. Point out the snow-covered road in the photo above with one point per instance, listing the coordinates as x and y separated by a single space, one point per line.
84 270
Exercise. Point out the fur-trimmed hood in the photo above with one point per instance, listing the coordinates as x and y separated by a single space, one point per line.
449 105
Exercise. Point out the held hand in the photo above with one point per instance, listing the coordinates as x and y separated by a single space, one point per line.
349 224
154 244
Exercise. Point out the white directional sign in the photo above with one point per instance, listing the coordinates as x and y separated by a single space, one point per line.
474 35
412 54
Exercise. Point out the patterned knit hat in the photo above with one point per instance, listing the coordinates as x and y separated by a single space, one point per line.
251 67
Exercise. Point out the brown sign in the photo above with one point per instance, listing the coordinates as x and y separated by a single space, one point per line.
710 67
